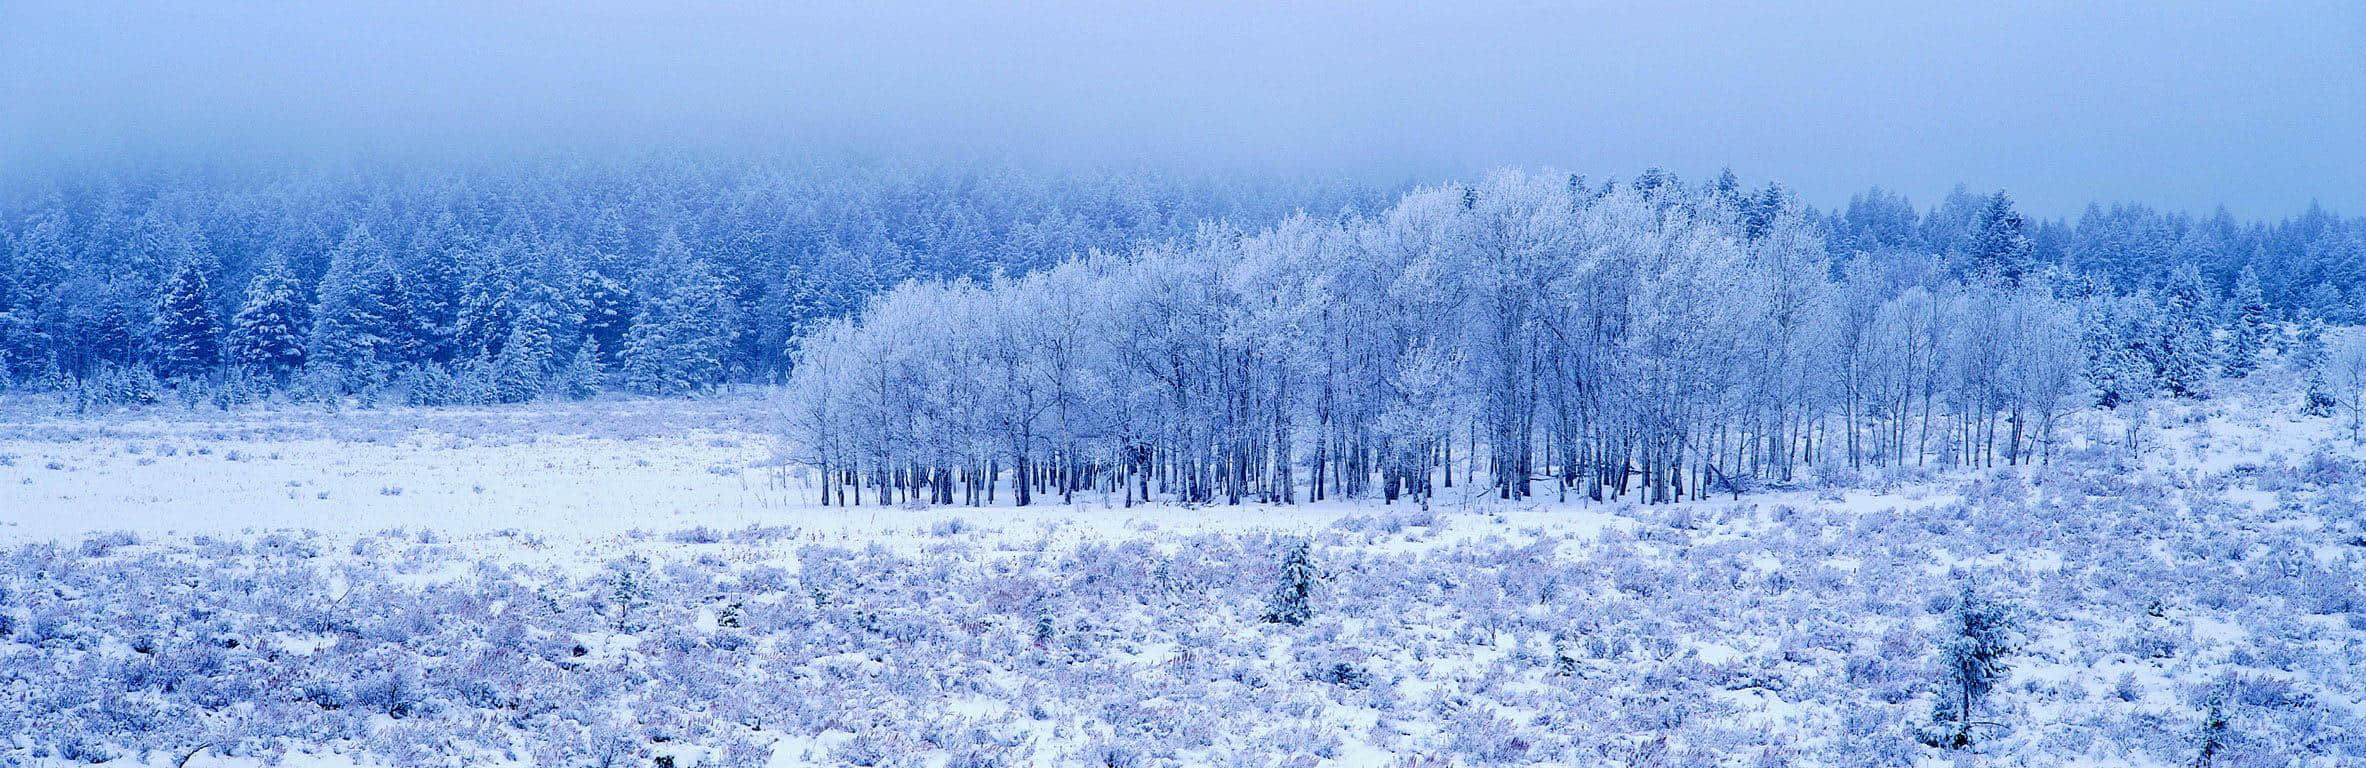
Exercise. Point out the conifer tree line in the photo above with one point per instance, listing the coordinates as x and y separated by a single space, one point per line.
1533 335
512 283
504 284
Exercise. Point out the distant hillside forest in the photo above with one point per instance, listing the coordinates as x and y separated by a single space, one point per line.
674 277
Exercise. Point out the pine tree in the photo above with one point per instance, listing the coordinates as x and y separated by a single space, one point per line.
2118 371
2249 335
580 379
1655 183
2308 348
350 325
2317 400
2324 300
2001 251
607 313
187 330
2182 348
630 594
266 333
2309 355
1973 653
403 339
1727 188
2213 735
678 341
1761 211
482 323
1293 597
528 356
426 385
111 335
430 290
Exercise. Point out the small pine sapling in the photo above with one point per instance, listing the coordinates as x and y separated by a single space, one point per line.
1979 635
1043 631
2213 734
2318 401
628 597
1293 599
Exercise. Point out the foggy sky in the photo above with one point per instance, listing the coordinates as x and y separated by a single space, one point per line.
2182 103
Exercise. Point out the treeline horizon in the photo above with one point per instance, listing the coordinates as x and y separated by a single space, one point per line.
1532 334
507 283
511 283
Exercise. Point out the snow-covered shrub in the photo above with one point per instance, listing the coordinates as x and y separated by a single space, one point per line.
101 544
2264 691
698 535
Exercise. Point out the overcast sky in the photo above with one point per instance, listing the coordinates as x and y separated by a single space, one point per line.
2178 103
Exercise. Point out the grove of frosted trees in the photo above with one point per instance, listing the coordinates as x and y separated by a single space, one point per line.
1532 335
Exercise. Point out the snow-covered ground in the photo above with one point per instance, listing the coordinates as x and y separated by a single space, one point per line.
572 475
633 583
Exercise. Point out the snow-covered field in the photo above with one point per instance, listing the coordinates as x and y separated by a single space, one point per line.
638 583
578 476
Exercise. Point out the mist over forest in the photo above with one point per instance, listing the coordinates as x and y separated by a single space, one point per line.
2182 107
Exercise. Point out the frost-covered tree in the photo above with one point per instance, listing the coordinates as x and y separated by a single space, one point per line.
529 356
352 327
2346 382
267 333
2309 356
2116 365
2247 336
678 341
2211 738
1978 636
580 377
2308 343
1293 594
2316 397
2040 374
481 323
2182 347
188 332
2000 249
607 314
